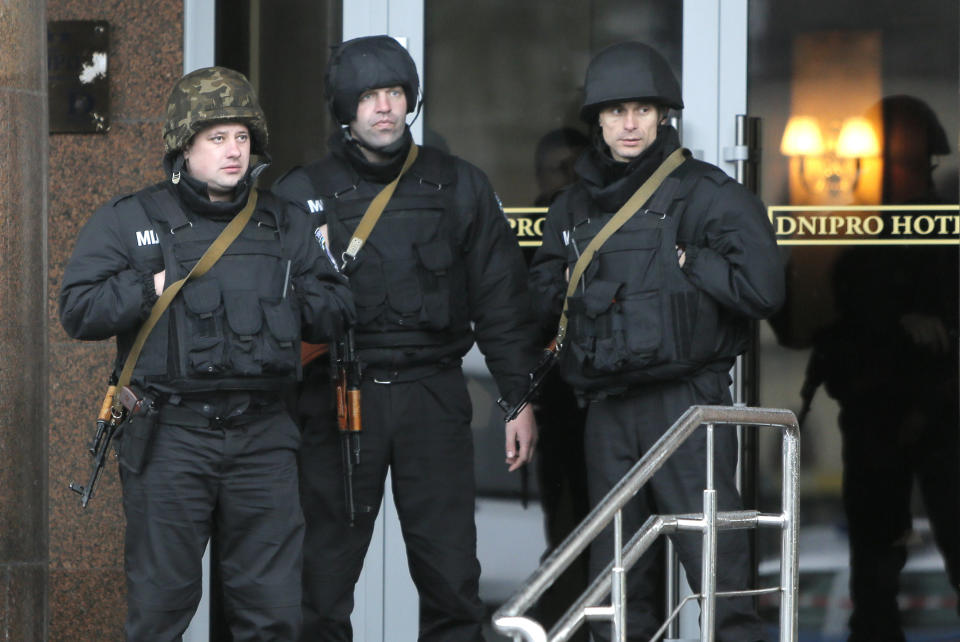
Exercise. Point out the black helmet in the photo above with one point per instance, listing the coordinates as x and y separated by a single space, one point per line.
628 71
917 120
366 63
211 95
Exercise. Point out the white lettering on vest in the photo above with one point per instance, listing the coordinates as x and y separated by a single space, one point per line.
147 237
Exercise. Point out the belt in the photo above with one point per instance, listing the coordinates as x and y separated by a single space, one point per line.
205 415
404 374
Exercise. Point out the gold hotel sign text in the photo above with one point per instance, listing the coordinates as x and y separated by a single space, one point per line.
817 225
866 224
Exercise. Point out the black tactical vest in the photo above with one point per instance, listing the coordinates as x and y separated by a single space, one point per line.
235 328
409 287
636 317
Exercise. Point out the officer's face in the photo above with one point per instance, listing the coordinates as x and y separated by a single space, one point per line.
219 155
629 128
381 115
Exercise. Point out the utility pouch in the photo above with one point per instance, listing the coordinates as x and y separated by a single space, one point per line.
137 430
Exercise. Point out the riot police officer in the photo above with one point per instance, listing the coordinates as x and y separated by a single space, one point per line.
657 318
210 449
440 270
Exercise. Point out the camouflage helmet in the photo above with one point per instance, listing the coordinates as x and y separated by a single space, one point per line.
210 95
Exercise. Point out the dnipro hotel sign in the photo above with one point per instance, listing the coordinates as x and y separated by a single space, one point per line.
817 225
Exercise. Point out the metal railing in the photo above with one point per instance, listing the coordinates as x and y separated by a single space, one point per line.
509 618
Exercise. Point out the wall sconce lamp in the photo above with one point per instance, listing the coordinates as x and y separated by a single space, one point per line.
835 159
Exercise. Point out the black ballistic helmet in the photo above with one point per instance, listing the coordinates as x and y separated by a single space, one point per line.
918 119
628 71
361 64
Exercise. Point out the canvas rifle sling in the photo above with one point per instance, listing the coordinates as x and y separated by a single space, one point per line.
310 351
631 207
210 256
375 209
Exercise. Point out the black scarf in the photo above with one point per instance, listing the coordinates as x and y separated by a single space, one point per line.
195 195
611 183
346 148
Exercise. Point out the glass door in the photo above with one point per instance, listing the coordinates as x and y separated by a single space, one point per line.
859 169
860 117
503 85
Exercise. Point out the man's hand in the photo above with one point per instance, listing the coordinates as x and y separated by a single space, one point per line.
158 281
521 438
926 331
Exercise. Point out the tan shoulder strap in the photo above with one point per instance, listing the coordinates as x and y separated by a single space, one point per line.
375 209
631 207
210 256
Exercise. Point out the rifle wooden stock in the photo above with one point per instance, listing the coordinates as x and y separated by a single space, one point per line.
310 351
105 410
349 418
354 421
343 409
106 425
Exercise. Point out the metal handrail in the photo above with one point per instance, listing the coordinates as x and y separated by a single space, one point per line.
509 618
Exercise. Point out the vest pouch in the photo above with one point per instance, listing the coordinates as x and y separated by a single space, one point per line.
204 336
436 259
245 320
598 327
642 314
137 432
404 295
282 339
368 288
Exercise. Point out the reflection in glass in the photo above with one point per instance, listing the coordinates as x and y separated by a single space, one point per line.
861 106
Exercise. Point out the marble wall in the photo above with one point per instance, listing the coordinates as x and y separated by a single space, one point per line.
84 547
23 341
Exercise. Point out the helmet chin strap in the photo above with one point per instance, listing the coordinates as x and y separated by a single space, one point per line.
179 165
416 113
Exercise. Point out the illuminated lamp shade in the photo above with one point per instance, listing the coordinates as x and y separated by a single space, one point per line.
857 139
802 137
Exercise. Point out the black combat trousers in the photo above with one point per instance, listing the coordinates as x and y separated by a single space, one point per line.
619 431
886 448
235 479
562 479
420 430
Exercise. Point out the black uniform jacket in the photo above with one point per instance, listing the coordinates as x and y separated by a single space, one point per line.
731 256
108 284
479 284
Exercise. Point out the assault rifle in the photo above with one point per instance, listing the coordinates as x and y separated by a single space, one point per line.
537 375
107 423
348 372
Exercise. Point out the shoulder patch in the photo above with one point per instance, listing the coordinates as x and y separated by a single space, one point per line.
322 242
500 206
